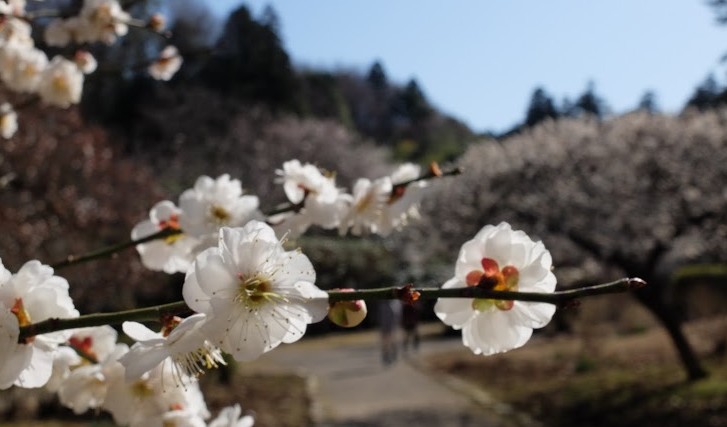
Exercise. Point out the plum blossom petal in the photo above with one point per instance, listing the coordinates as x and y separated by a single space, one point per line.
182 343
230 417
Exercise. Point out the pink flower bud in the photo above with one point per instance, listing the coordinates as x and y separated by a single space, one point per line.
347 314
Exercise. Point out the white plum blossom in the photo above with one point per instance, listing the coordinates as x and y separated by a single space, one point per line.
404 199
14 358
172 254
369 200
64 358
8 120
215 203
31 295
176 418
166 65
58 33
323 204
324 207
185 350
145 401
12 7
298 180
61 83
230 417
27 73
499 258
104 20
86 345
15 33
256 295
98 21
86 386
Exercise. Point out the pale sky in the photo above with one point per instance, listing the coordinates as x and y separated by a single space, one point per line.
479 60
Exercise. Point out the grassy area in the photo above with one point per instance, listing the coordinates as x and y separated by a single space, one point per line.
632 380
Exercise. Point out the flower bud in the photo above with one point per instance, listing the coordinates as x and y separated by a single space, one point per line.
157 22
85 61
347 314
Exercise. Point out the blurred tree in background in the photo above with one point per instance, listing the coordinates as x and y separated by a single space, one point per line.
541 108
707 95
648 102
611 198
589 103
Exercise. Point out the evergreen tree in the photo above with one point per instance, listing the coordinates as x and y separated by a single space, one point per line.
707 94
250 63
377 77
590 103
412 103
541 107
648 102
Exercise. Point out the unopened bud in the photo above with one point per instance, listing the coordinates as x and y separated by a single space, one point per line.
85 61
434 169
347 314
157 22
636 283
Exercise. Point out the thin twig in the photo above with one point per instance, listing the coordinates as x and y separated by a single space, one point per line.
100 319
405 293
110 250
558 297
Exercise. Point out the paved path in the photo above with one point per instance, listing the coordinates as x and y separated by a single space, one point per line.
352 388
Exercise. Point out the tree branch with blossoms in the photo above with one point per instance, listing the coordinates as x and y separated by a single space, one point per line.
406 294
245 293
171 230
58 81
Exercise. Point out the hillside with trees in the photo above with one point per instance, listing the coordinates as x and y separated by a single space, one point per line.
247 69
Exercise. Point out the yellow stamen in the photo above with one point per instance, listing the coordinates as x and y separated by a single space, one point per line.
257 290
219 214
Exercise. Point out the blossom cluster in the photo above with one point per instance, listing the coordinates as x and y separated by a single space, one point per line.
58 81
252 295
249 294
84 366
379 207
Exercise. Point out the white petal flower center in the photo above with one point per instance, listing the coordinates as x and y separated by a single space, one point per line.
21 313
491 277
142 389
256 290
219 215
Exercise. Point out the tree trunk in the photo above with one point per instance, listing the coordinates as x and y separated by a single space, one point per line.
670 321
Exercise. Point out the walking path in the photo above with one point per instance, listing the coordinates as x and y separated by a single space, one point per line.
352 388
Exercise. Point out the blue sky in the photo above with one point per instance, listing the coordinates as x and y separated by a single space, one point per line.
480 60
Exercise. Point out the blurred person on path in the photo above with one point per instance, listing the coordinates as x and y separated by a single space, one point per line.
409 322
389 315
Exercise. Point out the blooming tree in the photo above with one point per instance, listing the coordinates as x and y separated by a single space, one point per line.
246 291
635 194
